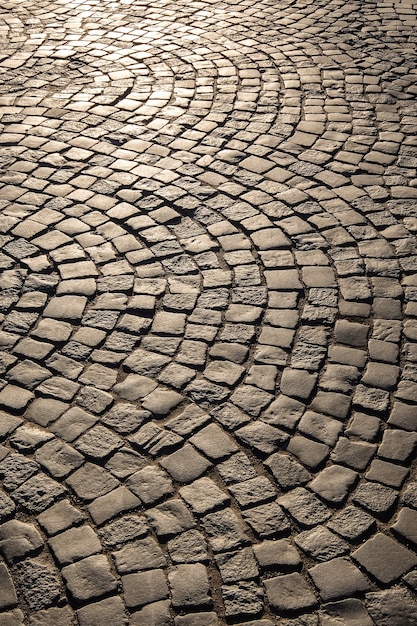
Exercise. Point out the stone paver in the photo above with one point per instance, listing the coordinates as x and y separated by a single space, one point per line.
208 313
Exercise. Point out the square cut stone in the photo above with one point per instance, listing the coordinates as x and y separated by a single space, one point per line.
108 612
321 427
75 544
144 587
304 507
186 464
334 483
59 517
113 503
170 518
351 333
280 554
349 612
66 307
15 398
203 496
17 540
189 585
384 558
289 593
338 578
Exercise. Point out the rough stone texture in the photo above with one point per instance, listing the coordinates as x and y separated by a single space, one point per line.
334 483
321 544
208 304
170 518
279 554
349 612
304 507
139 555
155 614
38 585
390 606
245 598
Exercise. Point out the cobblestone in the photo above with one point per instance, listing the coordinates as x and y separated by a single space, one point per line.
208 313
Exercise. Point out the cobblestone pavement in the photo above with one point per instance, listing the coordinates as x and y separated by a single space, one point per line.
208 338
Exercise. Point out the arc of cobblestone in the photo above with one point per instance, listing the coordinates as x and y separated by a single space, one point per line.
206 295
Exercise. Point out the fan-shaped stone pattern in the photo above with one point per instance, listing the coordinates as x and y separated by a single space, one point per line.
207 313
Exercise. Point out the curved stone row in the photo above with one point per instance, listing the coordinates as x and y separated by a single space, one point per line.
208 292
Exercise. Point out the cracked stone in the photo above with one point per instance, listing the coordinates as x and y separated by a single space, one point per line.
18 539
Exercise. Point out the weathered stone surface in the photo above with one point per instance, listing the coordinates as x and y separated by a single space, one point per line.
338 578
202 496
224 530
8 597
267 520
154 614
243 599
405 526
189 547
108 506
350 612
304 507
186 464
235 566
104 613
279 554
289 593
62 616
170 518
38 584
121 531
145 587
390 606
384 558
208 305
321 544
150 484
18 539
139 555
75 544
197 619
189 585
351 523
375 497
334 483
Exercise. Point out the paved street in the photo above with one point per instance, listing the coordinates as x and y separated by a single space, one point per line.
208 313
